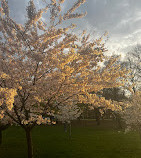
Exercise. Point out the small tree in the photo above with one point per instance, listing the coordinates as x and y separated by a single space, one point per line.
132 113
132 62
68 113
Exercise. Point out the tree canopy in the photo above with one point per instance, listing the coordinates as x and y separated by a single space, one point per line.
50 66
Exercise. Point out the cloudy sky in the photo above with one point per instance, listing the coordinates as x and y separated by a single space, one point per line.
121 18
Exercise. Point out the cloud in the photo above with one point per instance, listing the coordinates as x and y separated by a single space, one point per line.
121 18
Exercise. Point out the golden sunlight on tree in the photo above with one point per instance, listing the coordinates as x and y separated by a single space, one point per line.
6 96
51 67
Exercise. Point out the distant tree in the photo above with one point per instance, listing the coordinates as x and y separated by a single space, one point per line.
115 95
133 63
132 113
66 114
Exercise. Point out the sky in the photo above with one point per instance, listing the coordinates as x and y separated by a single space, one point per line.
121 18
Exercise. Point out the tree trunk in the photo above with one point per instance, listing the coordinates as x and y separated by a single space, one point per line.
0 137
98 121
70 130
119 121
65 127
29 142
97 116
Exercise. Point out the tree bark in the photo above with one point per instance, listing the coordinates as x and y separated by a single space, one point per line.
70 130
97 116
29 142
0 137
118 120
65 127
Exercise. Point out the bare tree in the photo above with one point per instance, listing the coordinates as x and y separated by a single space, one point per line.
133 63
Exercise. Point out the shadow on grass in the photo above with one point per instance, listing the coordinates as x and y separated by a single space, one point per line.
102 141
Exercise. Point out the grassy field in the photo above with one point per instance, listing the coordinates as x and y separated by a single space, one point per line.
88 141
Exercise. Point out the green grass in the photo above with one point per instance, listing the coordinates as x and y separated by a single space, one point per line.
86 142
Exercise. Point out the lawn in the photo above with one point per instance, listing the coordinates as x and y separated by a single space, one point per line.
88 141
